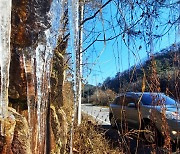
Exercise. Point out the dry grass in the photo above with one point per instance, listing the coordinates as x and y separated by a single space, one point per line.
88 139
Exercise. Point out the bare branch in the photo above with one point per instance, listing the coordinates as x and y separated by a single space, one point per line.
91 43
89 18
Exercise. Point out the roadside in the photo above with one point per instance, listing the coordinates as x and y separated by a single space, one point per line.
99 113
130 141
90 139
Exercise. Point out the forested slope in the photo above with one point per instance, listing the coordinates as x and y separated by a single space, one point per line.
162 68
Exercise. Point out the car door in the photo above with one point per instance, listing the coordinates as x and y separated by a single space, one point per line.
132 112
117 108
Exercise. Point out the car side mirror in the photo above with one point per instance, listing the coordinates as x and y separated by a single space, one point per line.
131 105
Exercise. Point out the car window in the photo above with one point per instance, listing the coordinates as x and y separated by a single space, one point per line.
116 101
119 100
157 99
130 100
124 100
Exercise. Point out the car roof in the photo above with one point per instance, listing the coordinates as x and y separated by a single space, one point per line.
138 93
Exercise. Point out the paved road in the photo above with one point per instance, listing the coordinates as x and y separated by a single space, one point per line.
101 115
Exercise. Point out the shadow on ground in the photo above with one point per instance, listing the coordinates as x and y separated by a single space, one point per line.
130 143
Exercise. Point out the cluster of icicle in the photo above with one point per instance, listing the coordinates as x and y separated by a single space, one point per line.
37 63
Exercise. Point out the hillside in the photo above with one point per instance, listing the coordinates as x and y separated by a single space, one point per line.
159 73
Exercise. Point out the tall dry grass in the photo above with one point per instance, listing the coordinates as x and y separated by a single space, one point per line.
88 139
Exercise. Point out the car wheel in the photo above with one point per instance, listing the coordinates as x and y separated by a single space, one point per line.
112 121
150 132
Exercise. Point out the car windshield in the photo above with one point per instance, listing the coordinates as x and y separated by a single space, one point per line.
157 99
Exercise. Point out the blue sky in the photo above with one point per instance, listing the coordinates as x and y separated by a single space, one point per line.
105 59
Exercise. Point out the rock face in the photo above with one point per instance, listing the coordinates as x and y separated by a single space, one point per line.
29 19
59 123
17 86
16 139
59 129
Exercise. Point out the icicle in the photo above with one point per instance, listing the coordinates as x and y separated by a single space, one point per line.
5 55
37 63
40 61
37 68
73 17
43 62
28 60
74 33
44 53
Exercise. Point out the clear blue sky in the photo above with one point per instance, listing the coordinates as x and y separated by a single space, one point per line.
105 59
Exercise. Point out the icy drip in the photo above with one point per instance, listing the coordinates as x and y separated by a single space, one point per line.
44 53
38 78
37 65
40 61
5 55
43 65
74 38
28 59
74 18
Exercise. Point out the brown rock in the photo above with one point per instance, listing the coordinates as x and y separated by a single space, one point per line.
59 129
8 132
21 142
17 85
15 139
